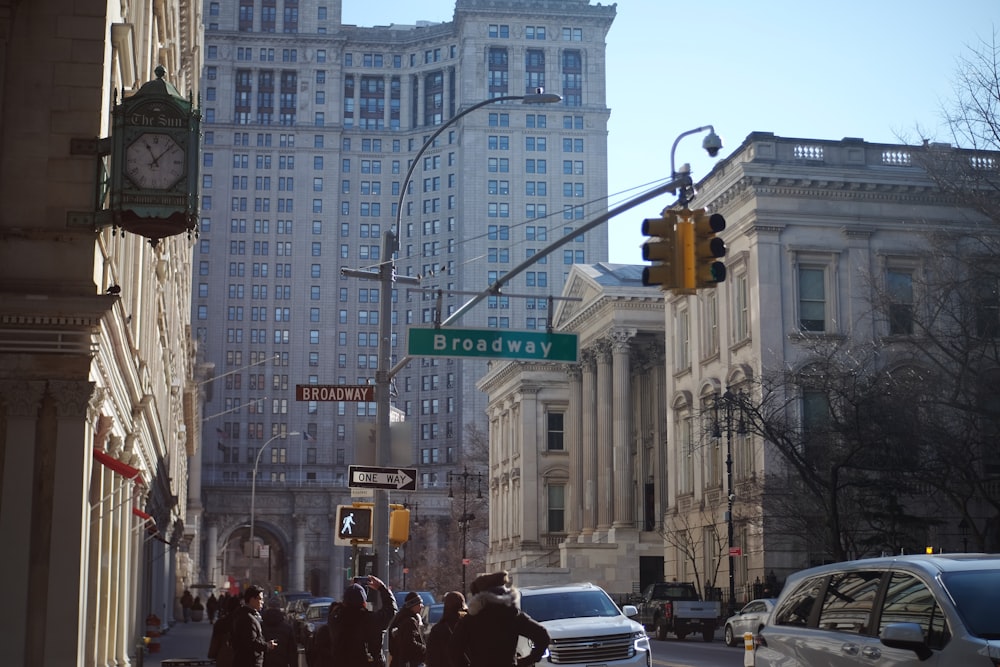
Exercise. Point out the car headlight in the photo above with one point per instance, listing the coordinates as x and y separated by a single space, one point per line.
640 640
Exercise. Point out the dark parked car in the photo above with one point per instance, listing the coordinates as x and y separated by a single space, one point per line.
296 614
287 598
315 619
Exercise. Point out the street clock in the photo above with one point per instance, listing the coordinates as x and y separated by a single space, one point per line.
154 162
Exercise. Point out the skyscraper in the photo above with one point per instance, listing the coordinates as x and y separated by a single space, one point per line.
309 128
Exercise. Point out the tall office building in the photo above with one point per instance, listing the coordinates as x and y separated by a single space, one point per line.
309 129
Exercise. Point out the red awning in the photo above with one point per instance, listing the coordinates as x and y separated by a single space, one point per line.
120 467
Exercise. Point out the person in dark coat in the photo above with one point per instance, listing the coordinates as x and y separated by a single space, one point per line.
487 636
406 640
355 632
186 601
441 632
247 635
212 607
277 628
220 647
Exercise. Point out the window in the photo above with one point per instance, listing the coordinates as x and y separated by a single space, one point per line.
557 508
682 333
685 454
847 606
812 299
907 600
987 308
554 431
710 323
899 285
797 607
741 308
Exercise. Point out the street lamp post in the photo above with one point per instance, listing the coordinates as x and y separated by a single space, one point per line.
253 494
386 275
467 517
730 402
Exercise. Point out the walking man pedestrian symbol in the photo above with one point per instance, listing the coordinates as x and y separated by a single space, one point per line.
347 524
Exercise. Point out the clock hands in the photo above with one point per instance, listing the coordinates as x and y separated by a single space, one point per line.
168 149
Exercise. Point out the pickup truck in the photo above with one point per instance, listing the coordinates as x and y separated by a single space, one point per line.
676 607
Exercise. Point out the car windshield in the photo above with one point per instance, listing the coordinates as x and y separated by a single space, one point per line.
568 604
318 612
975 597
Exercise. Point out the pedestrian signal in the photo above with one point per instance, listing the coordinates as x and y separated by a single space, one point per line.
354 523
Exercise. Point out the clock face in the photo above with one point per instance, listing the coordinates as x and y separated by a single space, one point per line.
154 161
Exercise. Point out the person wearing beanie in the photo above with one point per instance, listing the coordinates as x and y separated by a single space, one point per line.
487 635
354 633
441 632
275 626
406 640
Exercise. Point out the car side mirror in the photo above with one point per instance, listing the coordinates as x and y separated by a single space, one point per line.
906 636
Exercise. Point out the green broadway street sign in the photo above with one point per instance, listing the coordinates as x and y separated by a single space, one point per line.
492 344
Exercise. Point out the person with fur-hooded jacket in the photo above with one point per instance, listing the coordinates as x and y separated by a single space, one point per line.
487 635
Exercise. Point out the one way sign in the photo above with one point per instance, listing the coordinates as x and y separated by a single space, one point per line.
367 477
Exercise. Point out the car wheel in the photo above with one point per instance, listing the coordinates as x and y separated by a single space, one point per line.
681 636
730 638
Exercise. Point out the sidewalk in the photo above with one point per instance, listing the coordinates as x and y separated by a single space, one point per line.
183 643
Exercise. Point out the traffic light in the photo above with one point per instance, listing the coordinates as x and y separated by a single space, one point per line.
399 526
354 523
702 266
664 249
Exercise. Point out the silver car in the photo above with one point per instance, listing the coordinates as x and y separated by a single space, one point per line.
749 619
905 611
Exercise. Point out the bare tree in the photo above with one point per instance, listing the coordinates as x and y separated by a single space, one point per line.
971 173
691 535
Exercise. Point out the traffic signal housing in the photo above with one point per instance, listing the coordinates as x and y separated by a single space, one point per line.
399 526
703 265
354 523
664 249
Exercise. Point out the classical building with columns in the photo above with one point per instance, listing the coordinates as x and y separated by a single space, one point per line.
99 416
614 470
817 232
576 450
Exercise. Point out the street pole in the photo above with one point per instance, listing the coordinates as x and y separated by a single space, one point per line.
730 497
386 275
253 499
466 517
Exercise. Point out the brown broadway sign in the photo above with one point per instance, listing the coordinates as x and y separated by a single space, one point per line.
362 393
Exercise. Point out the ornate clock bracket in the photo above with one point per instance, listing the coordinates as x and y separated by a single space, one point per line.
147 170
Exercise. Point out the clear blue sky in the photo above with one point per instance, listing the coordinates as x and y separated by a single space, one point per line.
875 69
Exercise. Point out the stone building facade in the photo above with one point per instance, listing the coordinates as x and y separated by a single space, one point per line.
576 450
98 405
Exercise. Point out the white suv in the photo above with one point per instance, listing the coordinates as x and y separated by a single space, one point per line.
927 610
585 627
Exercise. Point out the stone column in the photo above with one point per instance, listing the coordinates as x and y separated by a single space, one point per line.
588 457
64 452
623 485
22 402
297 577
212 547
605 436
574 501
